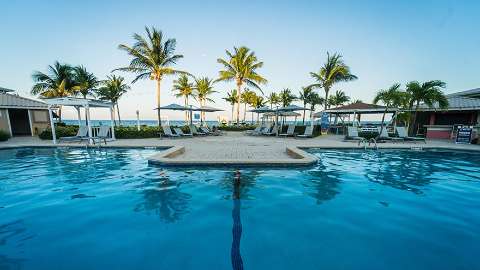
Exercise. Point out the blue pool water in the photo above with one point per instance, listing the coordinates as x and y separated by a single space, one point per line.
108 209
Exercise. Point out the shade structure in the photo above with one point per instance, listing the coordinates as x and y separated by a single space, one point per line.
263 109
292 108
270 114
174 107
206 109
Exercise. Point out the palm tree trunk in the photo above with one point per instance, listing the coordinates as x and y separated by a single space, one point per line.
303 121
118 113
158 103
60 114
413 129
244 111
233 109
186 112
383 119
327 89
239 90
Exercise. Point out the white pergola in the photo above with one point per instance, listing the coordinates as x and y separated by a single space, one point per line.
77 103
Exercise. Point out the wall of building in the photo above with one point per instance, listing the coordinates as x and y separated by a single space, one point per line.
40 120
4 121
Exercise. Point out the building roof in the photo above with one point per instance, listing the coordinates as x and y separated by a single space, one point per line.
14 101
82 102
359 107
456 103
472 93
3 89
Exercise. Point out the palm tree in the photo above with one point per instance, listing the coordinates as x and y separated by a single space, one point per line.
257 102
338 99
232 98
389 97
356 101
241 67
314 99
57 83
113 88
332 72
286 97
273 99
430 93
303 96
247 98
203 89
153 58
85 82
183 88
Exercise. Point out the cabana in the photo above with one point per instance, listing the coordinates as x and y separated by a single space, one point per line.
355 109
78 103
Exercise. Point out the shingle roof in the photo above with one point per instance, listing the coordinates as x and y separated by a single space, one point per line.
17 102
456 103
472 93
3 89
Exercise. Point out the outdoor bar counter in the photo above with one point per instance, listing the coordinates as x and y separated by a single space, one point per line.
444 131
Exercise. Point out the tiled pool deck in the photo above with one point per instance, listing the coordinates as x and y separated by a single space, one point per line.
235 148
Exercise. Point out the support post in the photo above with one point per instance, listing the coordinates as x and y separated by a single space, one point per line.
79 116
112 123
52 124
89 126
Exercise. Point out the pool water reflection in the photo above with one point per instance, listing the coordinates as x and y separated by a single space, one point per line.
96 209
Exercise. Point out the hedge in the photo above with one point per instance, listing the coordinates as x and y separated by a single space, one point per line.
60 131
237 128
4 136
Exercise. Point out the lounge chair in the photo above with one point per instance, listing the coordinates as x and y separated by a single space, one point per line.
82 134
383 136
168 132
271 132
179 131
209 132
352 134
256 131
290 131
102 134
402 133
195 132
307 134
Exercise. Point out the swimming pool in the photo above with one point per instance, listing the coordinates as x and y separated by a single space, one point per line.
98 209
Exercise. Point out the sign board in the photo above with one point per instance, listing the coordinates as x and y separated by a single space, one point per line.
325 121
196 116
464 135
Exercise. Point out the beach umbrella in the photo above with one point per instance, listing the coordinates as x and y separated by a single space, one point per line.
174 107
264 109
292 108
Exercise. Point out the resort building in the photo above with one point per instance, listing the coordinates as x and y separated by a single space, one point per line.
463 109
20 116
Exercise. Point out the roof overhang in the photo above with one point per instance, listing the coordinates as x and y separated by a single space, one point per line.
78 102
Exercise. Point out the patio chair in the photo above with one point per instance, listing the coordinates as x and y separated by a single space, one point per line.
383 135
256 131
210 132
271 132
307 134
168 132
352 134
290 131
179 131
195 132
102 134
402 133
82 134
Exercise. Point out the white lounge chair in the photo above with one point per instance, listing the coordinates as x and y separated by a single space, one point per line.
168 132
82 134
402 133
352 134
256 131
290 131
210 132
307 134
272 131
102 134
195 132
179 131
383 135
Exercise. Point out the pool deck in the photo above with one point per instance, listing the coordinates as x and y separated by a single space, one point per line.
235 148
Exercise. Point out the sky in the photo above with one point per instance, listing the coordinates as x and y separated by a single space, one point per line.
383 42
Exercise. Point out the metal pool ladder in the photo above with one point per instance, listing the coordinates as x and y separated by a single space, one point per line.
369 142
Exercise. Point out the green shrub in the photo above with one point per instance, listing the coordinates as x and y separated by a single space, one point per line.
237 128
132 132
4 136
60 131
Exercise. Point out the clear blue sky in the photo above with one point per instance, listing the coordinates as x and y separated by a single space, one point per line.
382 41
